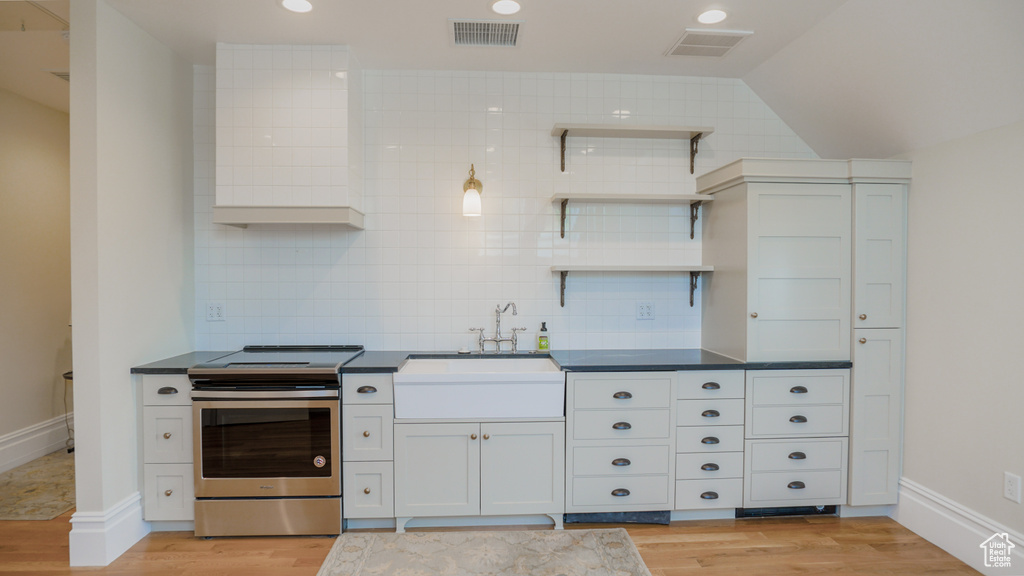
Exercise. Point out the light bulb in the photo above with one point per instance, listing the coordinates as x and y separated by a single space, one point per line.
712 16
297 5
506 7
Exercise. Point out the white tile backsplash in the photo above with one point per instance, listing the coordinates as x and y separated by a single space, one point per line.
421 274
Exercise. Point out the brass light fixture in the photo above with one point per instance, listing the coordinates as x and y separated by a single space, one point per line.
471 194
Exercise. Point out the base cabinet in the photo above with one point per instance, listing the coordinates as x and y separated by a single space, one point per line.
367 423
167 489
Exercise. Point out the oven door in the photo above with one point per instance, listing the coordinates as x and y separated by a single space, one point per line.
266 447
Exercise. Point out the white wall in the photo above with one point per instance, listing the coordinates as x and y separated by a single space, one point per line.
35 285
132 268
965 280
421 274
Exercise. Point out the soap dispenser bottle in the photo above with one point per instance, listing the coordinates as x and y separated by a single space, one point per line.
542 338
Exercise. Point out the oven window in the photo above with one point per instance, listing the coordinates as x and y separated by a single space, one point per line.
266 442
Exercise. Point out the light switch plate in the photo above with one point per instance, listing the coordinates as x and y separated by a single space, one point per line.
1011 487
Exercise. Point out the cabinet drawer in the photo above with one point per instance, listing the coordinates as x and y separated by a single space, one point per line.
166 390
767 388
710 412
168 492
707 466
369 489
699 494
167 434
367 432
710 384
619 460
797 455
709 439
797 421
649 492
622 393
620 424
367 389
819 487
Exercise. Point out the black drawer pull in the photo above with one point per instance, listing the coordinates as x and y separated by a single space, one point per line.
709 467
620 492
621 462
798 390
711 386
796 485
798 419
366 390
622 426
797 456
167 390
709 496
710 414
709 440
622 395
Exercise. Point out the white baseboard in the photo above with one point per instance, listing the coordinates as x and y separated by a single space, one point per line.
98 538
25 445
954 528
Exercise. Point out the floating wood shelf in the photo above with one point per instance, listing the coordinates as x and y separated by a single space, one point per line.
243 216
693 134
694 271
694 200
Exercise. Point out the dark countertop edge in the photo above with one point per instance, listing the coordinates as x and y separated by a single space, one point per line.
178 364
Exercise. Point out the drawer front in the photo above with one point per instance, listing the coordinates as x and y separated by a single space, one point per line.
796 455
797 421
700 494
619 460
620 424
369 489
166 390
168 492
709 466
711 412
709 439
766 388
367 389
367 432
635 492
784 488
621 393
697 384
167 434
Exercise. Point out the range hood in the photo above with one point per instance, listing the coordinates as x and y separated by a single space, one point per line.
243 216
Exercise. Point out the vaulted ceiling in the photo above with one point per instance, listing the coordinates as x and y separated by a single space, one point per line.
853 78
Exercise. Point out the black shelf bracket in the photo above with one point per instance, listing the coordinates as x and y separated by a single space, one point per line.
694 209
565 202
565 133
693 148
694 276
562 289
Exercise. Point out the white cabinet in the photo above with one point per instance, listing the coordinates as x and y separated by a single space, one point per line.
877 416
620 441
879 247
782 259
367 443
471 468
167 488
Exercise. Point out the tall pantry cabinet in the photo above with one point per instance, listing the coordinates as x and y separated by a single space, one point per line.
809 265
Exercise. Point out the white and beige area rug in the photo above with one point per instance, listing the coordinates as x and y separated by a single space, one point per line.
508 553
39 490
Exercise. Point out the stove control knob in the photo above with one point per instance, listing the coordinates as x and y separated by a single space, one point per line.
319 461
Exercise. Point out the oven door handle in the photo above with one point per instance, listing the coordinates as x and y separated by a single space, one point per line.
264 394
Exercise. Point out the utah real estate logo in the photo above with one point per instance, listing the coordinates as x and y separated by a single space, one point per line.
997 550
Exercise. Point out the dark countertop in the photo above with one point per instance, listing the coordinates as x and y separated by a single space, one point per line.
568 360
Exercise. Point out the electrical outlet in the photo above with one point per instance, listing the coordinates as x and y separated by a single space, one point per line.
214 312
1011 487
645 310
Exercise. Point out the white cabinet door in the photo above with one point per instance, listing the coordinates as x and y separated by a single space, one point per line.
878 254
799 253
437 470
366 432
522 468
876 415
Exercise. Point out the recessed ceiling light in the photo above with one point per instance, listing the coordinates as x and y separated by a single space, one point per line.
506 7
297 5
712 16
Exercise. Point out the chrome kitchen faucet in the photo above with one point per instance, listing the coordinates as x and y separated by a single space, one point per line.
497 338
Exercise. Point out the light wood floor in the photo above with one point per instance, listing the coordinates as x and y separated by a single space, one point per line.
797 545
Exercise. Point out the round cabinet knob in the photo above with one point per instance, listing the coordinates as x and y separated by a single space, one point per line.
167 435
863 340
366 490
472 436
168 492
753 314
487 436
366 433
863 316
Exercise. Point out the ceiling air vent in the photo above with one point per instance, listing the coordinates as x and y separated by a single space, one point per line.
497 33
699 42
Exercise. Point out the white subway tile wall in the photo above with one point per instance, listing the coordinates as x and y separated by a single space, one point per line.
421 274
